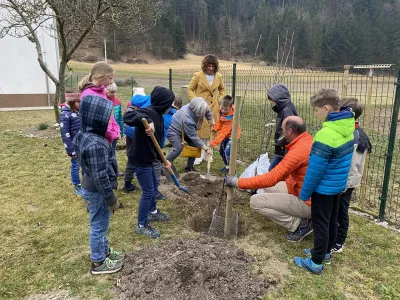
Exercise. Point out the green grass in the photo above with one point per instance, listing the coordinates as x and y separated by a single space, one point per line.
45 232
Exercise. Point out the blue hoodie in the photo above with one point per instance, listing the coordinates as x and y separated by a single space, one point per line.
139 101
167 123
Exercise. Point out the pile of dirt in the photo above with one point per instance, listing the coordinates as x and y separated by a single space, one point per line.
205 197
34 132
202 268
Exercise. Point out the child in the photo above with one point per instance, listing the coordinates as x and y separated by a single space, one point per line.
143 154
98 181
224 129
326 175
362 146
138 100
279 97
70 124
111 90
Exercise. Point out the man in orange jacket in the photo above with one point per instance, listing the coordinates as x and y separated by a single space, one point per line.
280 202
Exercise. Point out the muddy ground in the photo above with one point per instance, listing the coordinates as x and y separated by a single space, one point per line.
201 268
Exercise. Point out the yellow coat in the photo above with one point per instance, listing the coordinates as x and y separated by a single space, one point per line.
199 87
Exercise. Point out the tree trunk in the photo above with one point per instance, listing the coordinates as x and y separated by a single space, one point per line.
60 90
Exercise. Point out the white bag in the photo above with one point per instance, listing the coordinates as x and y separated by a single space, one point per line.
258 167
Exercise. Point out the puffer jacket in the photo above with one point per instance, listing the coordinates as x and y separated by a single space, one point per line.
292 169
280 94
140 101
186 119
167 122
94 152
70 124
224 127
331 154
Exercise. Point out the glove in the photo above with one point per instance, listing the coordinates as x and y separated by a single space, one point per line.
231 181
114 207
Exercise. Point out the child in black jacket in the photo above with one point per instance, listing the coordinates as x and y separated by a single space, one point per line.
143 154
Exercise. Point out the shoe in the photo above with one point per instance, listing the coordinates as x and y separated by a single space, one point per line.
190 169
337 249
160 196
224 170
158 216
301 232
309 265
148 231
131 188
115 254
327 259
78 190
108 266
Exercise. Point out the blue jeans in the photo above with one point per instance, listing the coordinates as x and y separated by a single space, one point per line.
149 184
275 161
75 171
99 223
225 150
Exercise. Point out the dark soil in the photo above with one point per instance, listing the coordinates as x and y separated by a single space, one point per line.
202 268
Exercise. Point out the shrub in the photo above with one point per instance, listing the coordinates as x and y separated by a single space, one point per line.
43 126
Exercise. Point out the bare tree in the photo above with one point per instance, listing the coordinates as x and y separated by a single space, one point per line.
71 21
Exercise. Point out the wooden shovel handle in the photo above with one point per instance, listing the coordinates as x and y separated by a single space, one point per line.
153 138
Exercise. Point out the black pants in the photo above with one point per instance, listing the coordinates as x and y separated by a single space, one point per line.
324 213
343 216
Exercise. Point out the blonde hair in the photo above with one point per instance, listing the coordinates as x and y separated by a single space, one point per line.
326 97
99 70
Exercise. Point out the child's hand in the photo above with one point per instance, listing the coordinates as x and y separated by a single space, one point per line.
150 130
167 165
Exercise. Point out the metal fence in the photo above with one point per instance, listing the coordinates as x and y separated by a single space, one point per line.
374 86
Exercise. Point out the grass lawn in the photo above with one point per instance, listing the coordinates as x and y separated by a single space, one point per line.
45 232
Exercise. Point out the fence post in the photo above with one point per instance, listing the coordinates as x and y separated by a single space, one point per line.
234 82
132 86
389 155
232 168
366 129
170 79
345 80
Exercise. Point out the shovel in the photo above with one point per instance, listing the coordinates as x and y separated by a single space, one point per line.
171 172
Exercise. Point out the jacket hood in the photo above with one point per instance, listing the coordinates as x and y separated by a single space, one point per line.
95 112
140 100
161 99
342 122
280 94
228 116
98 89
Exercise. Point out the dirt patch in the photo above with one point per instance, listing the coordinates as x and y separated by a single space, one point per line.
34 132
59 295
205 197
202 268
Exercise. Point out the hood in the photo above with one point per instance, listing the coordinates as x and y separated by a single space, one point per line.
161 99
172 111
97 89
140 100
342 122
228 116
280 94
95 112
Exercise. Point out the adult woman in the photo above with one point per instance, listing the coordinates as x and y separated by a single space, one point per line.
189 119
208 85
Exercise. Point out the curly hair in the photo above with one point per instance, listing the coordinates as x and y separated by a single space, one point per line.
210 59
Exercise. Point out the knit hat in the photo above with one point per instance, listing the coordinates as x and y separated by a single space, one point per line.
71 97
112 87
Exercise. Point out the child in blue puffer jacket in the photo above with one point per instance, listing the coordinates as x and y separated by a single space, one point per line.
70 124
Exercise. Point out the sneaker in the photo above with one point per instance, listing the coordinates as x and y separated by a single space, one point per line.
224 170
108 266
78 190
131 188
190 169
115 254
301 232
309 265
148 231
160 196
158 216
327 259
337 249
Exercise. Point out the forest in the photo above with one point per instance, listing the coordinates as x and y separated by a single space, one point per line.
303 33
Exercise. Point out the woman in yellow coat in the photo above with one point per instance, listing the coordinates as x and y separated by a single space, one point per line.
208 85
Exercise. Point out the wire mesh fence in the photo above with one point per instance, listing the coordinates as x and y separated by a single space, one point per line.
373 86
